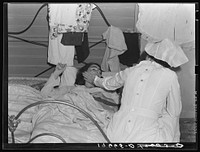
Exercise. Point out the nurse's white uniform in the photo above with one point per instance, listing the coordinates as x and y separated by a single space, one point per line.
150 104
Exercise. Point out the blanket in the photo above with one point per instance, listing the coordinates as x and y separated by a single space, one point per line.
20 96
63 120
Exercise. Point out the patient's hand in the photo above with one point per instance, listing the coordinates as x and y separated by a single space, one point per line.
89 77
60 68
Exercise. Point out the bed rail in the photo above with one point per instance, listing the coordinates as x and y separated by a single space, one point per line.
13 121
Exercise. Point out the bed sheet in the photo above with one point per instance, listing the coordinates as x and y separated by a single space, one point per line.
56 118
20 96
69 123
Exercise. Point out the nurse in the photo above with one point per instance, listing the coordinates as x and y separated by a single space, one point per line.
151 99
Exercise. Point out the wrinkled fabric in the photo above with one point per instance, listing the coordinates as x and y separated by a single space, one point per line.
67 122
20 96
150 104
116 45
64 121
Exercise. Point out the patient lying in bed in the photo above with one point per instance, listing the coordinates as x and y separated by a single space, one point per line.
55 89
66 121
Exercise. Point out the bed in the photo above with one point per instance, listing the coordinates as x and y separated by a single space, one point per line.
34 119
31 86
29 113
75 118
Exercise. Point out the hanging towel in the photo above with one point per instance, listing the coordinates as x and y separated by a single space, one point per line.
60 14
115 46
58 53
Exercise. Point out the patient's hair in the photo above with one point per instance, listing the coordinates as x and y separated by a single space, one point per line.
79 76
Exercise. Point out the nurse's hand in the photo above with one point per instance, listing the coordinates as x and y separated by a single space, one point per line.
89 77
60 68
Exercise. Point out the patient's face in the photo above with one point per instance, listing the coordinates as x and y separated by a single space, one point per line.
95 70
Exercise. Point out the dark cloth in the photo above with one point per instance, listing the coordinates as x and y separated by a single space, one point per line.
83 50
80 41
72 38
132 54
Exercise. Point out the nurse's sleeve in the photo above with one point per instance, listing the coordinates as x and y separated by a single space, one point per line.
112 82
174 107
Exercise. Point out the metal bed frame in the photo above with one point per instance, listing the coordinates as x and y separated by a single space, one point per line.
13 120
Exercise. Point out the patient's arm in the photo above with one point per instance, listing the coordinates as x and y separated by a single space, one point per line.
50 90
111 82
60 68
49 85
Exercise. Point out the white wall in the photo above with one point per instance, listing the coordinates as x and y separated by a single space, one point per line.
187 82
